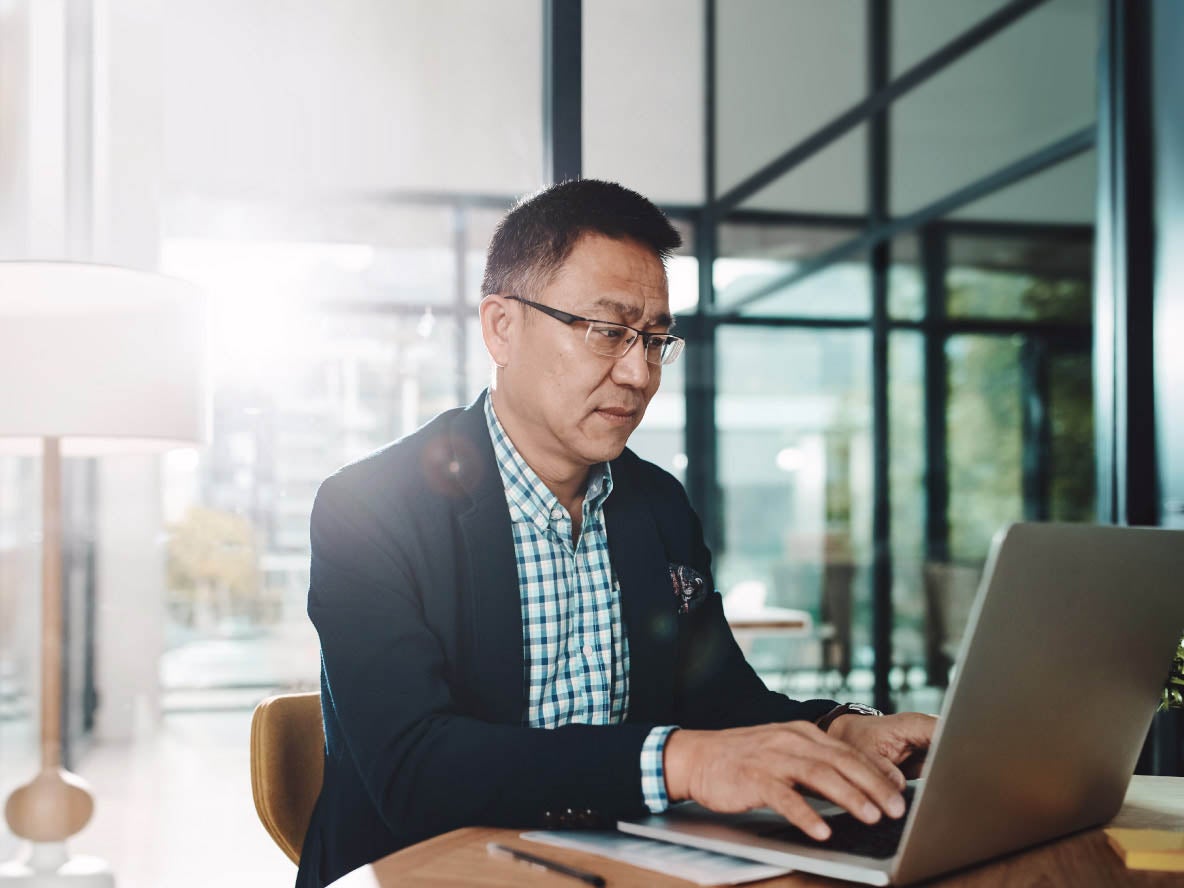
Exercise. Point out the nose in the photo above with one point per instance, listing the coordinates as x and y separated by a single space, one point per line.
632 369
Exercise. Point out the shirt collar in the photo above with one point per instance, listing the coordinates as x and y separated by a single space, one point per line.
525 491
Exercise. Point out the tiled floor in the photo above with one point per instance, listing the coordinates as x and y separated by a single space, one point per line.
176 811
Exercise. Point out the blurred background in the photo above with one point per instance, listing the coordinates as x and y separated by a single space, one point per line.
901 330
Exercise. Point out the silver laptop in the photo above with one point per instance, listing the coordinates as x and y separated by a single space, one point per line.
1066 650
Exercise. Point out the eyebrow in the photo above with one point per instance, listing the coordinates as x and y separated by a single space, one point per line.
632 312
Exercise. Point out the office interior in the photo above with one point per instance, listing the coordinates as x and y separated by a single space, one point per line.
928 285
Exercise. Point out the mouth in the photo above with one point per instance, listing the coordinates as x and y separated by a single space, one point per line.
617 415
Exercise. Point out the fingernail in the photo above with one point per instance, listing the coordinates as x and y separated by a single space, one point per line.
896 806
820 831
871 813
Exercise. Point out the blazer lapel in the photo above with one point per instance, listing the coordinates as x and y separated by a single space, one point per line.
647 602
491 586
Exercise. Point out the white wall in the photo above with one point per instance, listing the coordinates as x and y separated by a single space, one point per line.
278 98
32 129
643 96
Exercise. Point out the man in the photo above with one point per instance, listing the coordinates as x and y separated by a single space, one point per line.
517 619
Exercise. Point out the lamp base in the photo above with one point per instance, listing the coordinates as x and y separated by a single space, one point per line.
48 865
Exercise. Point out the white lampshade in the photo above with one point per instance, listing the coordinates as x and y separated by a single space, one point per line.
108 359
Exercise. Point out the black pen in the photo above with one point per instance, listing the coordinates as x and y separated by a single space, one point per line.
496 850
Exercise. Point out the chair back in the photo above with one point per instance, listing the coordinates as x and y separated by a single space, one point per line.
287 765
950 590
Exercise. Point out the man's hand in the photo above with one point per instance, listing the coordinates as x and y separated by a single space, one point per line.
897 741
743 768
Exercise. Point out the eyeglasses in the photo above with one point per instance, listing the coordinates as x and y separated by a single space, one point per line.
615 340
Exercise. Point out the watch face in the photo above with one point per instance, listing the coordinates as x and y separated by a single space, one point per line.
863 710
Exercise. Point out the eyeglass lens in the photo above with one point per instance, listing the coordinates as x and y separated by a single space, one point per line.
614 341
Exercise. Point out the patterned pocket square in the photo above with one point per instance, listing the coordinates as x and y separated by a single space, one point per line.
690 587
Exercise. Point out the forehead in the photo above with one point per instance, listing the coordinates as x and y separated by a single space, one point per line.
612 279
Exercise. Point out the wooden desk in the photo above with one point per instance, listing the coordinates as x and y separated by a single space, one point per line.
771 619
796 628
459 858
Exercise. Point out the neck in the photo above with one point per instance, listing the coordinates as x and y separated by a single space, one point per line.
568 482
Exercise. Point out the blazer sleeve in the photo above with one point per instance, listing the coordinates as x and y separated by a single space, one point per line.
426 766
716 687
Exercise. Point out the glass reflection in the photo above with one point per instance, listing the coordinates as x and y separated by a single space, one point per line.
795 478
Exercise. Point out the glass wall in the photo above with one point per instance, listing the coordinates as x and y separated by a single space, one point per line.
792 426
986 308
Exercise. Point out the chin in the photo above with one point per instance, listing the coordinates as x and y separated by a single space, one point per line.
604 452
600 444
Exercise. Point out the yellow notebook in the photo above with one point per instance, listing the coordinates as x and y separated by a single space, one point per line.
1149 849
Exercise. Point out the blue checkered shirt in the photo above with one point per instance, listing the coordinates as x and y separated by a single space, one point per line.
573 639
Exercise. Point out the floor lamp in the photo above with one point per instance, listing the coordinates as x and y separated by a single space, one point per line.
95 359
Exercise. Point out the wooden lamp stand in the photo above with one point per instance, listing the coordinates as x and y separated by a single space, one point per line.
55 804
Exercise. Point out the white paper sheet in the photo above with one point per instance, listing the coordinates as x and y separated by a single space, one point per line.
679 861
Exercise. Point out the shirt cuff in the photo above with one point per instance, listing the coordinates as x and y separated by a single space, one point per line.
653 775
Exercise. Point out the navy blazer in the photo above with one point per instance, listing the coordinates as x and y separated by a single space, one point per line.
414 592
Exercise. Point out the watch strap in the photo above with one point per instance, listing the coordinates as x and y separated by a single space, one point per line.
846 709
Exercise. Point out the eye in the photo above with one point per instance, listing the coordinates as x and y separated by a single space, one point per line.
611 334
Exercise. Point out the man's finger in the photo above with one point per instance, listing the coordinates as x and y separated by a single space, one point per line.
823 779
874 751
797 811
864 772
817 735
891 771
813 735
868 770
880 763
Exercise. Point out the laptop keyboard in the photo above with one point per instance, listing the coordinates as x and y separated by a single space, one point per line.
851 836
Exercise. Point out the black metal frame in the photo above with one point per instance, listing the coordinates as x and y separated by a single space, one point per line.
1168 152
563 105
1124 352
702 446
879 42
936 382
1124 357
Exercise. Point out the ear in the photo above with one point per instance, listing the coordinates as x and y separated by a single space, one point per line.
498 328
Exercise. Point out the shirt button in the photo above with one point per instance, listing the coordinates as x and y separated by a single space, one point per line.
587 650
556 514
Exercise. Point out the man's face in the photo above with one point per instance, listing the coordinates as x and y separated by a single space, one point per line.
573 408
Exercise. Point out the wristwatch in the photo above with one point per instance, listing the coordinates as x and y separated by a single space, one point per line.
846 709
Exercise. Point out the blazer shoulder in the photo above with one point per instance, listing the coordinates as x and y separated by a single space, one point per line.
408 467
646 476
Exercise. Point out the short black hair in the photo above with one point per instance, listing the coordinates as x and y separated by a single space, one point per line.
538 234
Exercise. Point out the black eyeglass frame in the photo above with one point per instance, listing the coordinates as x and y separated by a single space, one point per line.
676 342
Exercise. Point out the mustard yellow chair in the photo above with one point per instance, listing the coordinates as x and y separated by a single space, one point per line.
287 766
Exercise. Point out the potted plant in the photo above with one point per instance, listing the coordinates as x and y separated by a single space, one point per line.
1173 691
